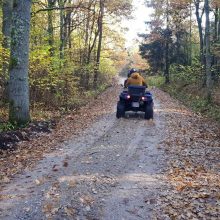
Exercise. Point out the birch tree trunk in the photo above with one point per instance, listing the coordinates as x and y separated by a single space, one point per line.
19 61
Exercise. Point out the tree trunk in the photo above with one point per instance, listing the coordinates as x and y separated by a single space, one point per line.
6 31
100 27
51 4
19 62
69 22
190 36
207 52
215 58
218 38
87 28
178 47
93 32
167 61
86 49
199 21
61 5
216 24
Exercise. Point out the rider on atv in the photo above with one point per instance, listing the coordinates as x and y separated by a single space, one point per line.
135 97
134 79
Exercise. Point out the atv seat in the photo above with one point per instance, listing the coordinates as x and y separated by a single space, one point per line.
136 90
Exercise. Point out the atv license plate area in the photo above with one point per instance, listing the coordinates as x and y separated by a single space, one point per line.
135 104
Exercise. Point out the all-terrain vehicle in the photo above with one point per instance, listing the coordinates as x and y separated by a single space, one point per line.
136 99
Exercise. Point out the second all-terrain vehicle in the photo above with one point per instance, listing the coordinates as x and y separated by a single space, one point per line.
136 99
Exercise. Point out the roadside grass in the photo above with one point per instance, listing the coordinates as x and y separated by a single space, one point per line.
155 81
190 94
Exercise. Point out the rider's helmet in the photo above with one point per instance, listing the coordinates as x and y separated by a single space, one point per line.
132 71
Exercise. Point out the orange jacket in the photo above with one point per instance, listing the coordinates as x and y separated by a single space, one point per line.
136 80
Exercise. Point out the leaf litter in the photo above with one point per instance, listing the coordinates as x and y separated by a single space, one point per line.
28 152
192 147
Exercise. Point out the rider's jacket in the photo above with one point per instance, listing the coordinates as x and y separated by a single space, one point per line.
135 80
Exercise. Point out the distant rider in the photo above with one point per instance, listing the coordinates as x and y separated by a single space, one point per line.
135 79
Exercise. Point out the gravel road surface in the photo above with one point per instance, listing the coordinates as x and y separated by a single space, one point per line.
117 169
112 170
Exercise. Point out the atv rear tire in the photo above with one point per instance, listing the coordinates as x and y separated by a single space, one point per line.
149 112
120 110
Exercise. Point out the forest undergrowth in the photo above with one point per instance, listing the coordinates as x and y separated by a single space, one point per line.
42 113
45 118
186 85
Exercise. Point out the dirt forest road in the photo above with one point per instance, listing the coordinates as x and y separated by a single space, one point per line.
114 170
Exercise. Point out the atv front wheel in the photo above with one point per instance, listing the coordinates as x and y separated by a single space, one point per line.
149 112
120 110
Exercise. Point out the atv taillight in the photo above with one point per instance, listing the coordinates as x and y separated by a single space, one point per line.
144 98
128 96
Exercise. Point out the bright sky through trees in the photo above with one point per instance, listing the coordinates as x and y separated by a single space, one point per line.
137 25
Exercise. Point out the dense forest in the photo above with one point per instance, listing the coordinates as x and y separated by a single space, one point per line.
75 144
183 45
54 52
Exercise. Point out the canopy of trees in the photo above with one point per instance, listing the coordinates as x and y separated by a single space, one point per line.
73 48
184 34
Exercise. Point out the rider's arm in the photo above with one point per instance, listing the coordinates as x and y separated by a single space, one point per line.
143 82
127 82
